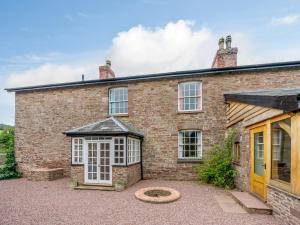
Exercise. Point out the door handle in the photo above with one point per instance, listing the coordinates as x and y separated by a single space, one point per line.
265 166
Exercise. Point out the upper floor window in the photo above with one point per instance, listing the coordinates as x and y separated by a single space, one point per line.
118 101
190 96
190 144
77 151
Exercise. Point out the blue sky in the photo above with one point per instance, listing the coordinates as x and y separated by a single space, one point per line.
57 41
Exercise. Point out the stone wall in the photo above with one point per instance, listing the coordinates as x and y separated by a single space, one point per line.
285 205
45 174
242 180
43 116
77 174
130 175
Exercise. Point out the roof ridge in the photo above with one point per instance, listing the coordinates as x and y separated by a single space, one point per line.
119 123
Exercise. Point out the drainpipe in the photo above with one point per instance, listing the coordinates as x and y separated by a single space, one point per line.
142 173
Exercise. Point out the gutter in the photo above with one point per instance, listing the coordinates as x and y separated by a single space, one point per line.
203 72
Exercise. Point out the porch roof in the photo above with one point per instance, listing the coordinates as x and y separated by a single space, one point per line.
109 126
286 99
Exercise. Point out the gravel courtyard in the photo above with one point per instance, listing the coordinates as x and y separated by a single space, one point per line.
25 202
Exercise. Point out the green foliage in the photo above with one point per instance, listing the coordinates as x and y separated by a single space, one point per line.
8 170
7 140
218 169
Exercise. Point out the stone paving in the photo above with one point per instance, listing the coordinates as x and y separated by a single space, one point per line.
54 202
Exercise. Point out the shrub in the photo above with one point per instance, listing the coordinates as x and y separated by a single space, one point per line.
218 169
8 170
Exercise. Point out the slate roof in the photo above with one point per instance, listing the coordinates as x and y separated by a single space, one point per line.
168 75
110 126
286 99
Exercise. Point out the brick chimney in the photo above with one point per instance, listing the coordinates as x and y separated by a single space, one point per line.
225 57
105 72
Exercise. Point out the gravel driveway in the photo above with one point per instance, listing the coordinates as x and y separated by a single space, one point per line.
25 202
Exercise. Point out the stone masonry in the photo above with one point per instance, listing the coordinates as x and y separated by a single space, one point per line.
286 206
42 117
130 174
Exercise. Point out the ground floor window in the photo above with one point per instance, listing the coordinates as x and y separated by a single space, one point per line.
190 144
237 152
281 150
77 150
119 149
133 151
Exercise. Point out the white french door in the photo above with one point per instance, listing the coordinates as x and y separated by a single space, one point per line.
97 166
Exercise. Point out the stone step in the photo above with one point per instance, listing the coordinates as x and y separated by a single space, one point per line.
94 187
250 203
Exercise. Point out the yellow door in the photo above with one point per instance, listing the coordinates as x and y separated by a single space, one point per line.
258 161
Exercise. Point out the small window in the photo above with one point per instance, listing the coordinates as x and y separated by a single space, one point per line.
133 151
237 152
118 101
119 151
281 150
190 144
190 96
77 151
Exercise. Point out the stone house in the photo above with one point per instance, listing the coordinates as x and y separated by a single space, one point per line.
161 125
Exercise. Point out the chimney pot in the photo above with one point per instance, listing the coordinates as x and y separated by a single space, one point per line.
105 72
228 42
108 63
221 43
225 57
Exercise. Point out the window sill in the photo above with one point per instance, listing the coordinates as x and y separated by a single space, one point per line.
189 161
236 163
190 112
77 164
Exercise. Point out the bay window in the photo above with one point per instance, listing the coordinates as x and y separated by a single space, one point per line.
77 151
133 151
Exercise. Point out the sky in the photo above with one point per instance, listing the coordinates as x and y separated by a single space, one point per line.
53 41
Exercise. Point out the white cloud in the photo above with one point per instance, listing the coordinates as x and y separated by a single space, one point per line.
174 47
50 73
140 50
285 20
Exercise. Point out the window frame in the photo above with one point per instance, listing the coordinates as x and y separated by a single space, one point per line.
199 109
111 102
124 151
73 151
236 152
199 152
133 155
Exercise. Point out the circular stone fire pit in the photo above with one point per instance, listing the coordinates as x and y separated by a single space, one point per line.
157 194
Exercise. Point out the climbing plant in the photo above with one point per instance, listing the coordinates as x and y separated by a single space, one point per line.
218 169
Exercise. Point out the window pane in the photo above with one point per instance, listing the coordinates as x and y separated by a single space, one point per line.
189 144
118 100
281 150
189 96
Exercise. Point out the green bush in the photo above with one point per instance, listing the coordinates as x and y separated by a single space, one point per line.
218 169
8 170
